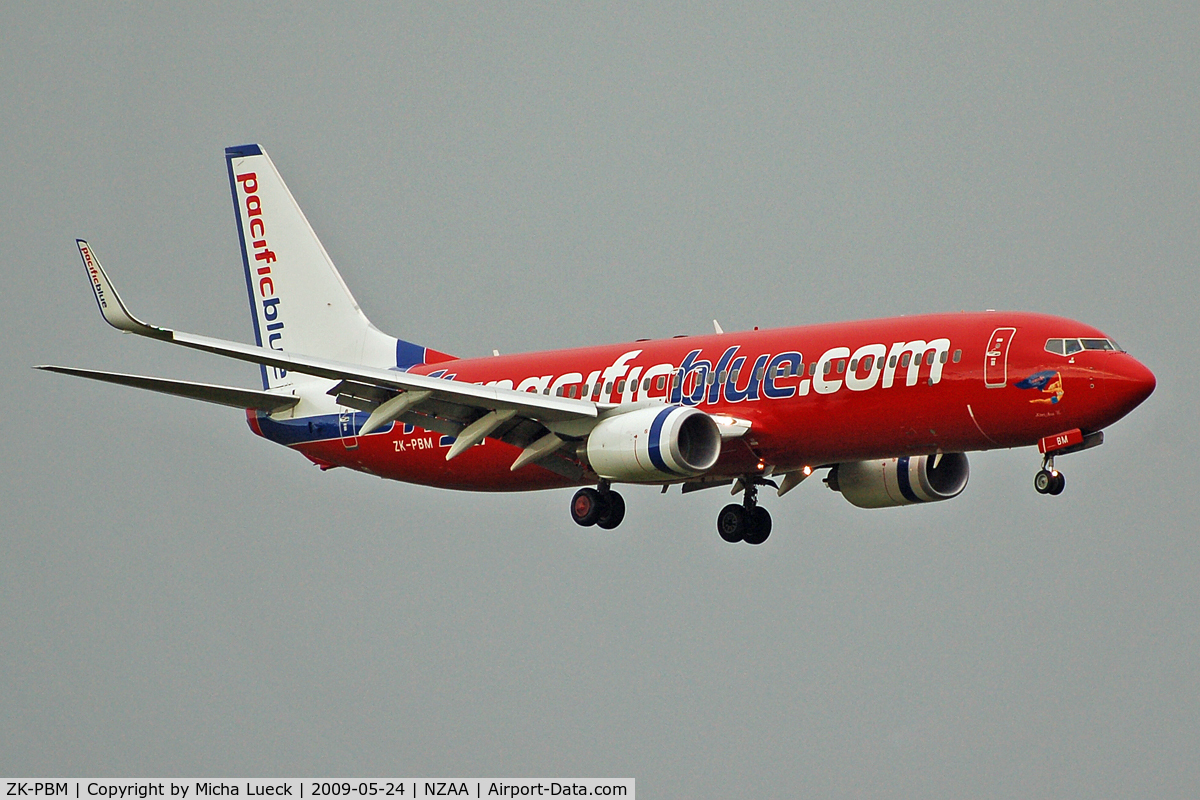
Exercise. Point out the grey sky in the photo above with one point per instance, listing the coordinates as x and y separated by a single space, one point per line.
181 598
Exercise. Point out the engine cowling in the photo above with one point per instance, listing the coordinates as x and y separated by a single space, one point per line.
654 444
889 482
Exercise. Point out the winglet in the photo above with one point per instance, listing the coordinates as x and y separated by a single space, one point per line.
111 307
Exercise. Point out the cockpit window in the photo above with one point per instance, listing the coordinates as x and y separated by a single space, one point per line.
1066 347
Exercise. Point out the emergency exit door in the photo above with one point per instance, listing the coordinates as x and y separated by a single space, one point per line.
346 428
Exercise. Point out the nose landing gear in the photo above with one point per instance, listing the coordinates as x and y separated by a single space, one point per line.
601 506
748 522
1049 480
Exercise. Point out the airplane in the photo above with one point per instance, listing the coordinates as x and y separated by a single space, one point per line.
889 407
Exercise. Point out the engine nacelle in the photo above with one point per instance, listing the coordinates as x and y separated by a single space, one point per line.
900 481
654 444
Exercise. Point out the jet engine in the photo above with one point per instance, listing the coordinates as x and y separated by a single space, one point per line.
653 444
900 481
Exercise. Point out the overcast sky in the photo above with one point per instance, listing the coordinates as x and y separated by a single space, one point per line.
181 598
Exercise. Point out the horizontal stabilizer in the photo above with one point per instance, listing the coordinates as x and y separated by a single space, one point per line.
209 393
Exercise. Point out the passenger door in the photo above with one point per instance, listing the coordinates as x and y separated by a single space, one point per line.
995 359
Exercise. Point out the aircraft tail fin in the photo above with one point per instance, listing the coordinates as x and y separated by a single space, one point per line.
298 300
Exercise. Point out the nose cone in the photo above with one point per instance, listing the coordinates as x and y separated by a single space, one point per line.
1133 384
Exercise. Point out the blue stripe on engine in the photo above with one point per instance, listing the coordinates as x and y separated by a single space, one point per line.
655 435
904 482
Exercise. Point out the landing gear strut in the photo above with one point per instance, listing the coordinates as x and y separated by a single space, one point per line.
1049 480
600 506
747 522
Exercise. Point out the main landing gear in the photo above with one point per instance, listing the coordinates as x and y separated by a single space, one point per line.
747 522
601 506
1049 480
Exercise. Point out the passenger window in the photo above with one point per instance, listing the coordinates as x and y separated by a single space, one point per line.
827 368
735 374
867 362
929 359
907 358
662 382
841 365
1072 346
759 374
945 354
572 392
812 369
854 365
957 356
621 386
893 362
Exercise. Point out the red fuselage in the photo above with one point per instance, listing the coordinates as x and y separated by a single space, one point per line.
813 395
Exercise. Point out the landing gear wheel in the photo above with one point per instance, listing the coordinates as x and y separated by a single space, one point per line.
1059 484
587 506
614 511
732 523
1044 481
760 526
